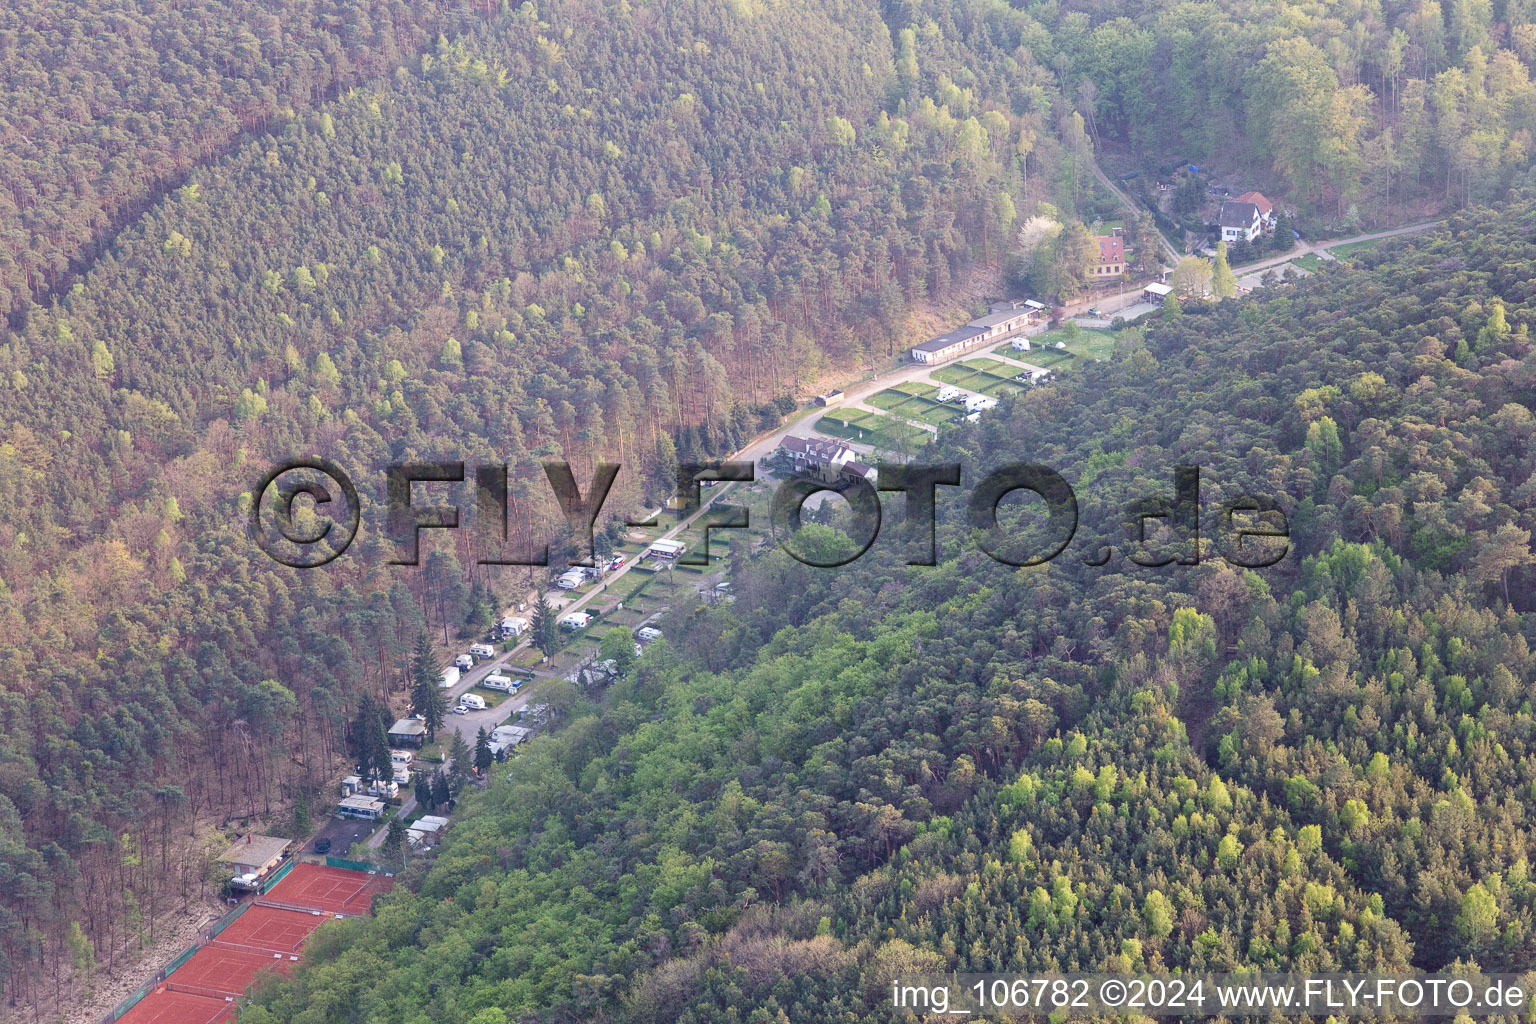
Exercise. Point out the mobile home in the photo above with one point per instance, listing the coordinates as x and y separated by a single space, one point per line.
366 807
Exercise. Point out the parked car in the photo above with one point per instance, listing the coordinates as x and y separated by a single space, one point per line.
460 709
615 561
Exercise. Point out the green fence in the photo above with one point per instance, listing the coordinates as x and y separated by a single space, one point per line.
132 1001
355 865
225 921
278 877
185 956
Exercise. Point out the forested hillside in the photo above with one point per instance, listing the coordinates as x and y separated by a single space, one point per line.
103 105
580 230
1351 109
1322 766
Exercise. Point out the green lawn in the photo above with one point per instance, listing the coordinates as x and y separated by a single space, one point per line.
1311 261
1091 342
1349 248
1050 357
874 429
1009 352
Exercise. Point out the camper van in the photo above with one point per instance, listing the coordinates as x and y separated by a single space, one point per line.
575 620
979 403
497 681
1021 344
401 758
948 393
450 677
483 651
511 627
645 634
464 662
473 701
571 579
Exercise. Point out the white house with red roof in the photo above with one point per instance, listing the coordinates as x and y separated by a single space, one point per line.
1111 261
1265 207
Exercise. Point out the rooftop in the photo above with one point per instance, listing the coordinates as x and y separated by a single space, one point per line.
1000 317
955 337
254 851
1236 214
816 447
1111 248
408 727
1257 199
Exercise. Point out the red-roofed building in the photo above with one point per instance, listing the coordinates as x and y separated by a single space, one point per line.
1111 262
1266 208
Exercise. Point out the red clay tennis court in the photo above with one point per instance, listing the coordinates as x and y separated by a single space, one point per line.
204 989
165 1007
334 890
270 930
218 971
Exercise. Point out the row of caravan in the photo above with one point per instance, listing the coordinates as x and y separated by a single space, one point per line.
973 403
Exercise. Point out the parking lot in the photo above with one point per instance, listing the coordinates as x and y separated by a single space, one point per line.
342 832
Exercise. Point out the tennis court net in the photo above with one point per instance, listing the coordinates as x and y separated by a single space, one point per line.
186 988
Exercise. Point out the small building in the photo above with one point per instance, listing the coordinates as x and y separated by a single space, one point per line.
1240 222
351 785
824 459
408 732
666 550
505 737
449 677
829 397
1265 207
252 857
368 808
1001 322
1111 260
1156 293
946 346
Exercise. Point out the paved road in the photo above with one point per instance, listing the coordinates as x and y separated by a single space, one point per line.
1136 209
1321 248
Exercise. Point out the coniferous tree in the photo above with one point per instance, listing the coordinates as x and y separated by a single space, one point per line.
483 757
546 632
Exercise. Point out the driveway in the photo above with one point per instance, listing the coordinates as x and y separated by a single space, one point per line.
342 832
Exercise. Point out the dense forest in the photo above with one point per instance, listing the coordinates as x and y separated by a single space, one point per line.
1322 766
1349 110
579 230
236 232
104 106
